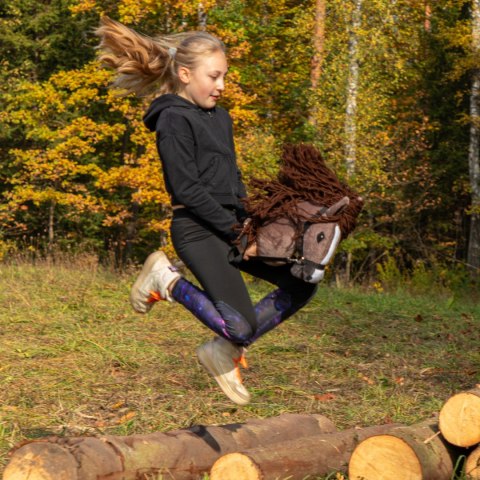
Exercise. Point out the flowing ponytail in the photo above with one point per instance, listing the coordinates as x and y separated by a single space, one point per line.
146 65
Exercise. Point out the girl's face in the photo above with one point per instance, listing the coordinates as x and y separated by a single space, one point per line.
204 84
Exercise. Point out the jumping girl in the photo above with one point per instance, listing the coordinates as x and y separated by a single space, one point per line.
194 138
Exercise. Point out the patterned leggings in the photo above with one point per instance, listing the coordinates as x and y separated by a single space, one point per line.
224 304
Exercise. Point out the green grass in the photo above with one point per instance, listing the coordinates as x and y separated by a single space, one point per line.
75 360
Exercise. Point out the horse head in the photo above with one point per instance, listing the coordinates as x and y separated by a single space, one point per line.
307 243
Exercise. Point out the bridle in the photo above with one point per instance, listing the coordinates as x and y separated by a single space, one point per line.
297 256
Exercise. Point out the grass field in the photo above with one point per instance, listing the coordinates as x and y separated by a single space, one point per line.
75 359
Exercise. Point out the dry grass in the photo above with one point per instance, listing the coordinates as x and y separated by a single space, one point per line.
74 358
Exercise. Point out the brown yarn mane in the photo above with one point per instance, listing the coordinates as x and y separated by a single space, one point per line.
303 176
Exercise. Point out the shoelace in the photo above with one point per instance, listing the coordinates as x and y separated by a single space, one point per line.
154 297
241 360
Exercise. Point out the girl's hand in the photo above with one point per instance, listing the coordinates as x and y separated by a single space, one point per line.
250 251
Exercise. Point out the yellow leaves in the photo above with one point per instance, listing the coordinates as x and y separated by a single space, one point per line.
243 116
89 131
132 11
91 75
83 6
143 176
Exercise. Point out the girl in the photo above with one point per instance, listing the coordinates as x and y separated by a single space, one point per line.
195 143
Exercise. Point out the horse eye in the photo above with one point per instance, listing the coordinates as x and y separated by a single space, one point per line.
320 237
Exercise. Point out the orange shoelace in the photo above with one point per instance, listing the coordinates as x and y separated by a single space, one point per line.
154 297
241 360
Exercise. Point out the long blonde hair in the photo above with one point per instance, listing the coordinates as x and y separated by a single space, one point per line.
147 65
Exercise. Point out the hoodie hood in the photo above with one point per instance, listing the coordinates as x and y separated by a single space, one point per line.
160 104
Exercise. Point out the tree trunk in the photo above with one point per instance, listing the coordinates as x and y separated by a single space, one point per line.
473 255
318 43
417 452
51 223
181 454
352 91
296 459
459 419
428 16
472 465
202 17
318 54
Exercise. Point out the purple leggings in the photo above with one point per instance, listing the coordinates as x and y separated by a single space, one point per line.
223 304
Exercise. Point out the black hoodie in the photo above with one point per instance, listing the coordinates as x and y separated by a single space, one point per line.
198 157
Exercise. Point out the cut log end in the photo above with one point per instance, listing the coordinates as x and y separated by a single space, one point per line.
42 461
235 466
472 465
385 457
459 419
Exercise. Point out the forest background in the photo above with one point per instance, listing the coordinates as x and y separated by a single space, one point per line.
386 89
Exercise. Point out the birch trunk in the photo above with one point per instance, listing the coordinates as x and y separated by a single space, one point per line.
352 90
352 94
473 255
202 17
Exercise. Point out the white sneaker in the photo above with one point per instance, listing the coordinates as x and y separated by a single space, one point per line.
153 282
222 358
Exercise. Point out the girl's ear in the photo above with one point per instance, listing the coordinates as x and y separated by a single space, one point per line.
184 75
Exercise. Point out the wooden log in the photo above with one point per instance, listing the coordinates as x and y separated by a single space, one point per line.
295 459
459 418
181 454
472 465
417 452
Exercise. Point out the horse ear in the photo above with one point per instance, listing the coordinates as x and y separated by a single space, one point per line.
337 207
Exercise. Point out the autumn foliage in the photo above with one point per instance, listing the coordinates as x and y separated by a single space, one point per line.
79 169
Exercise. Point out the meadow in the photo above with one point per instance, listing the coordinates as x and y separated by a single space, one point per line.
76 360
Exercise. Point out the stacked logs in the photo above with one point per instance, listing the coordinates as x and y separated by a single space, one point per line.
428 451
459 422
292 446
185 454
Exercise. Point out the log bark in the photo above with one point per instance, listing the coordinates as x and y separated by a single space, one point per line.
182 454
472 465
459 418
295 459
417 452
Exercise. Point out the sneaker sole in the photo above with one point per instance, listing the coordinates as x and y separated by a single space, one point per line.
225 386
135 296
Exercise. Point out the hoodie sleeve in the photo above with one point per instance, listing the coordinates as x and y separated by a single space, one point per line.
176 147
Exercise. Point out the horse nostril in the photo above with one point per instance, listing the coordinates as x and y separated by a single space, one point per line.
320 237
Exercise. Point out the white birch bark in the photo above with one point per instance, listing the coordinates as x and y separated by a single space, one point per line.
352 90
202 17
473 255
